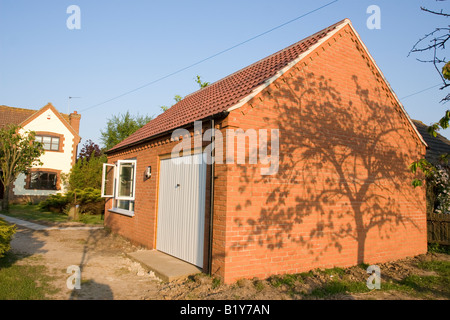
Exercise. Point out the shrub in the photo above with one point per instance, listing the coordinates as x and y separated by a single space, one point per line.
88 200
6 233
55 202
86 173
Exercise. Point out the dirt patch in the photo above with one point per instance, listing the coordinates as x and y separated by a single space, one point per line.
107 273
313 284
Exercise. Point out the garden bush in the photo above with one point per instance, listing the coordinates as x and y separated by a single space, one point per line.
89 201
6 233
56 202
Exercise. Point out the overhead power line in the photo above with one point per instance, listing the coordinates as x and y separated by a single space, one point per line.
415 93
209 58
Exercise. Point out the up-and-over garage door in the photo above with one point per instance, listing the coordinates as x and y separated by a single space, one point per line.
181 208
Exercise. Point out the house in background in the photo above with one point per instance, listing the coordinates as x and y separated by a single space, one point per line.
437 146
341 191
59 134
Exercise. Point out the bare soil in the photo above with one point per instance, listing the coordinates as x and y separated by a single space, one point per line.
108 274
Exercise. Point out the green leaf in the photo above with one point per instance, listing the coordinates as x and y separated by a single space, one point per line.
417 183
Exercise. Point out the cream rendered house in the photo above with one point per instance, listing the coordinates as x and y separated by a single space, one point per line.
59 134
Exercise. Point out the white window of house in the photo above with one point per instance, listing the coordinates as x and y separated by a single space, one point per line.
119 183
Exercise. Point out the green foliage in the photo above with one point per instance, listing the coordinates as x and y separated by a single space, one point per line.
202 84
89 201
339 287
216 282
56 202
87 173
431 284
438 248
35 214
6 233
425 166
438 184
178 98
120 127
446 71
18 153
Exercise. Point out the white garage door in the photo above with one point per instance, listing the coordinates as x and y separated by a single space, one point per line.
181 208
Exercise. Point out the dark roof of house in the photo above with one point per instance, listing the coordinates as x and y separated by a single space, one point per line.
11 115
436 145
223 94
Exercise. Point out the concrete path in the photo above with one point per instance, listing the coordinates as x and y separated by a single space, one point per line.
39 227
165 267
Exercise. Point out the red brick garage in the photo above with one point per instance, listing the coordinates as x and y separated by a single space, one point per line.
341 193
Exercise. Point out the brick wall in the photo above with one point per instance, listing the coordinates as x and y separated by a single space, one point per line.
141 228
343 193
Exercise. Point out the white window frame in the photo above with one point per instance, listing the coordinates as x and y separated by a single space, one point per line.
117 173
105 165
115 190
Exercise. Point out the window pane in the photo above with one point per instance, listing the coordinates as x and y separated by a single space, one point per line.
55 144
108 180
126 175
47 142
34 180
43 181
52 181
125 205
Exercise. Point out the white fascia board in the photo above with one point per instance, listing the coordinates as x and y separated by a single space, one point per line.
306 53
387 83
269 81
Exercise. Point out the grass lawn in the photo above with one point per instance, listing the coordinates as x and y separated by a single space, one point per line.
23 282
434 285
34 214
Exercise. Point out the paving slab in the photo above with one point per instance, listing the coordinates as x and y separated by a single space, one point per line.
165 267
39 227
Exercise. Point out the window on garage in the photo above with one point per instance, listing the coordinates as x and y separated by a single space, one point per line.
119 183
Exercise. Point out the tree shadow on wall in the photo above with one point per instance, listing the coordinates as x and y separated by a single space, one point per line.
343 170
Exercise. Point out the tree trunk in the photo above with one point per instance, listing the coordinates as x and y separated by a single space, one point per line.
5 202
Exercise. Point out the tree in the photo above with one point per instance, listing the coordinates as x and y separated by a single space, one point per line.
89 149
87 171
18 153
434 43
120 127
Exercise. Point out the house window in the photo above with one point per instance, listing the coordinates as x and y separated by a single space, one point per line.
50 143
41 180
119 183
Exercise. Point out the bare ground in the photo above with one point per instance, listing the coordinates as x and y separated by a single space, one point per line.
108 274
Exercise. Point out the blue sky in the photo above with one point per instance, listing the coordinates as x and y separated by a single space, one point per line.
123 45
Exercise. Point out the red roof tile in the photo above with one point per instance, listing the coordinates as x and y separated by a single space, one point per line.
11 115
223 94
